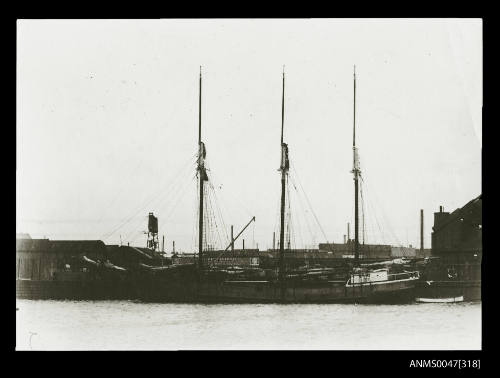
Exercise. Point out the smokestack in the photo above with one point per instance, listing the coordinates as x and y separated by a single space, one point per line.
163 244
243 244
348 233
173 246
274 239
421 229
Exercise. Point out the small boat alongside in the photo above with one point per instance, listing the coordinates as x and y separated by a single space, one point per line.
440 300
439 292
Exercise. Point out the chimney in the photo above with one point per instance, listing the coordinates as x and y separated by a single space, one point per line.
243 244
274 239
348 233
421 229
440 209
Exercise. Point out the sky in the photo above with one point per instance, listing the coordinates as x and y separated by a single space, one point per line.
107 126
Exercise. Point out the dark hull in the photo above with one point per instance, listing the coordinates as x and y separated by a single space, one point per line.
73 290
184 285
179 284
306 292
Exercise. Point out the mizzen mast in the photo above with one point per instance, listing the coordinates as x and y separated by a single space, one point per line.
357 172
284 171
203 177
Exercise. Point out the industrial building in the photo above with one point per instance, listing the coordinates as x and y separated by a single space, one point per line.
457 250
459 234
457 240
39 259
371 251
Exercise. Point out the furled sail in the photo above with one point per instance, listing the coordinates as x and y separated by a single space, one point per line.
356 165
284 157
201 161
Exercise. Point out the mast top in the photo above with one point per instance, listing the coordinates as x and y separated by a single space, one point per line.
354 122
283 105
199 113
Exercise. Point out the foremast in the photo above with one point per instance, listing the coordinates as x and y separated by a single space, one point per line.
202 174
284 172
357 173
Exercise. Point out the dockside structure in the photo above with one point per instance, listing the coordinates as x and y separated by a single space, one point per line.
457 251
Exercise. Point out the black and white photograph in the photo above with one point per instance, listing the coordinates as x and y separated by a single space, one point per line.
249 184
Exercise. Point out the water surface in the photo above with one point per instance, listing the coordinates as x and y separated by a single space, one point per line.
118 325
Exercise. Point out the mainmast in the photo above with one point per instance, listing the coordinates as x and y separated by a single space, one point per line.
203 177
356 171
284 171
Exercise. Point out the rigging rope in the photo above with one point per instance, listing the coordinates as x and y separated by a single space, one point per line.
219 211
396 240
125 184
362 211
309 203
288 216
195 231
304 211
374 214
231 195
170 201
171 186
296 219
213 219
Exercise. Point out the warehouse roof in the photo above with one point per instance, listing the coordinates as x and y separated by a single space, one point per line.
60 246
